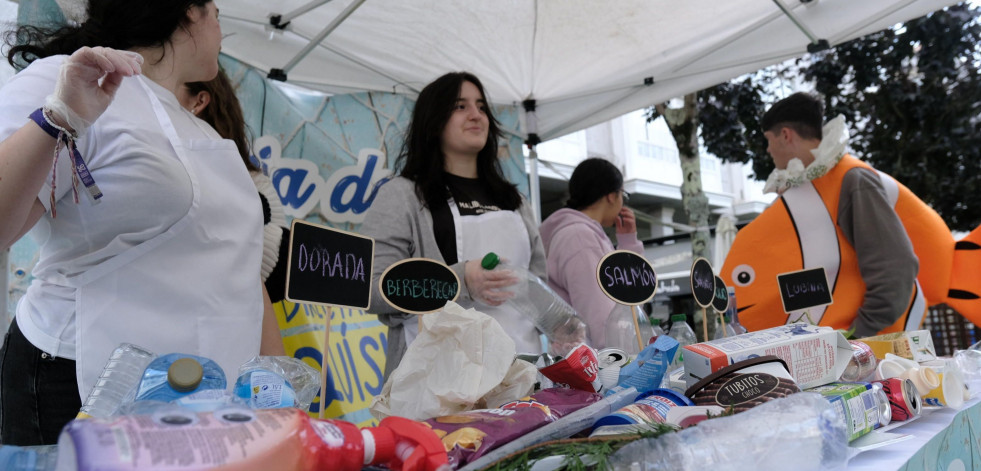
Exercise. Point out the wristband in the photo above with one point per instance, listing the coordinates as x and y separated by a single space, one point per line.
41 119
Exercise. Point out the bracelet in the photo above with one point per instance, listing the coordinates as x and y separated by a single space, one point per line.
40 117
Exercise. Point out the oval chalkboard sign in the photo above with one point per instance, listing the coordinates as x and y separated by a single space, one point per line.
328 266
702 282
418 285
626 277
720 301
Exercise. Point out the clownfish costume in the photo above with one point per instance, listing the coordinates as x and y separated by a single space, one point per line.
799 231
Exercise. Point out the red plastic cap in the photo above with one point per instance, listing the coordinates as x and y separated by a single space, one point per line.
384 445
427 451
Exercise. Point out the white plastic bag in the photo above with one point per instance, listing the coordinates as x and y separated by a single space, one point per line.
459 356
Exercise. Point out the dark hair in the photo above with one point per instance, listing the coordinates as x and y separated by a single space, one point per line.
224 113
592 179
421 158
119 24
802 112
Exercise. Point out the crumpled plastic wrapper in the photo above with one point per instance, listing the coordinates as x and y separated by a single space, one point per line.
461 360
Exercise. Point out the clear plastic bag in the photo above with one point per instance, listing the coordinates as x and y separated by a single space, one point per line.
288 382
801 431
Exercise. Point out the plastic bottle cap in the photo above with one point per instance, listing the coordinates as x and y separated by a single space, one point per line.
490 261
185 374
655 321
679 317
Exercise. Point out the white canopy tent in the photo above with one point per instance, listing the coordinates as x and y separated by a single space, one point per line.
582 62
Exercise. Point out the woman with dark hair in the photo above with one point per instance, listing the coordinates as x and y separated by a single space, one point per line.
451 203
575 241
163 248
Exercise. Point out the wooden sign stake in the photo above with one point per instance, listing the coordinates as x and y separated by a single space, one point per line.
705 326
640 340
323 364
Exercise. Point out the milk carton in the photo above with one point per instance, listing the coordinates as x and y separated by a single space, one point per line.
814 355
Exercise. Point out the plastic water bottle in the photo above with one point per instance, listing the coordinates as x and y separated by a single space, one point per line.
724 329
680 331
547 310
272 382
28 458
801 431
117 383
176 375
733 312
621 331
656 328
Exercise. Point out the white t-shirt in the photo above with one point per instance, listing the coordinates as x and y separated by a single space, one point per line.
146 190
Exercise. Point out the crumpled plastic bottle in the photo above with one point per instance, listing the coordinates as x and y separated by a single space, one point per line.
801 431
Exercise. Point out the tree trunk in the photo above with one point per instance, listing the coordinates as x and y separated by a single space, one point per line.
683 123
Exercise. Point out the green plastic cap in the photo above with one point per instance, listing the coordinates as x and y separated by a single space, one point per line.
185 374
490 261
679 317
655 321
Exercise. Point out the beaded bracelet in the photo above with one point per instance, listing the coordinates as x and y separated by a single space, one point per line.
80 170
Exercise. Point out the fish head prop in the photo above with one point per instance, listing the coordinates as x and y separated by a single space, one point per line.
763 249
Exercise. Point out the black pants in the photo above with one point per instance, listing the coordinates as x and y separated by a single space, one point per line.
38 392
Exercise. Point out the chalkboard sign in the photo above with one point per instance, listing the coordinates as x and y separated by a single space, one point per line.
702 282
804 289
329 266
418 285
720 302
626 277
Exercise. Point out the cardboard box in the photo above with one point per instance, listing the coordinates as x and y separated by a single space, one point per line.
814 355
915 345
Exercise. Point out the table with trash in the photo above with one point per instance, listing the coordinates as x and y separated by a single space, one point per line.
791 397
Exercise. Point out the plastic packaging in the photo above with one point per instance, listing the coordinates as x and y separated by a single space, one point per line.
269 382
117 383
801 431
733 312
280 439
28 458
176 375
621 330
547 310
680 331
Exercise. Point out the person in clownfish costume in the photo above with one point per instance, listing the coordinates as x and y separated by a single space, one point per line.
887 254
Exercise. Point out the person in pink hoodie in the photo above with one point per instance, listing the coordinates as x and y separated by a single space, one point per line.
575 241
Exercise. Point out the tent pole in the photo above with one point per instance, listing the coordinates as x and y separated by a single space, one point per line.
280 21
531 126
322 35
816 43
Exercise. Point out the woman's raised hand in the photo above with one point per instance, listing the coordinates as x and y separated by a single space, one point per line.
88 82
487 286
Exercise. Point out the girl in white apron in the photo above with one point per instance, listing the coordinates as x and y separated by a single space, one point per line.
451 203
169 257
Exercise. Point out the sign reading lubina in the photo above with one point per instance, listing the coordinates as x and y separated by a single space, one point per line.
418 285
804 289
626 277
328 266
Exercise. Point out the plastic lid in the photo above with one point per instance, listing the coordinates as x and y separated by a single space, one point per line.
490 261
655 321
679 317
185 374
382 445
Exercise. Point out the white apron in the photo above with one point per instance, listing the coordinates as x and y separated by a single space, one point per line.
504 233
164 297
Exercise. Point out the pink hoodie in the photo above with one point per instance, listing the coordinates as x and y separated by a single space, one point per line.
574 245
